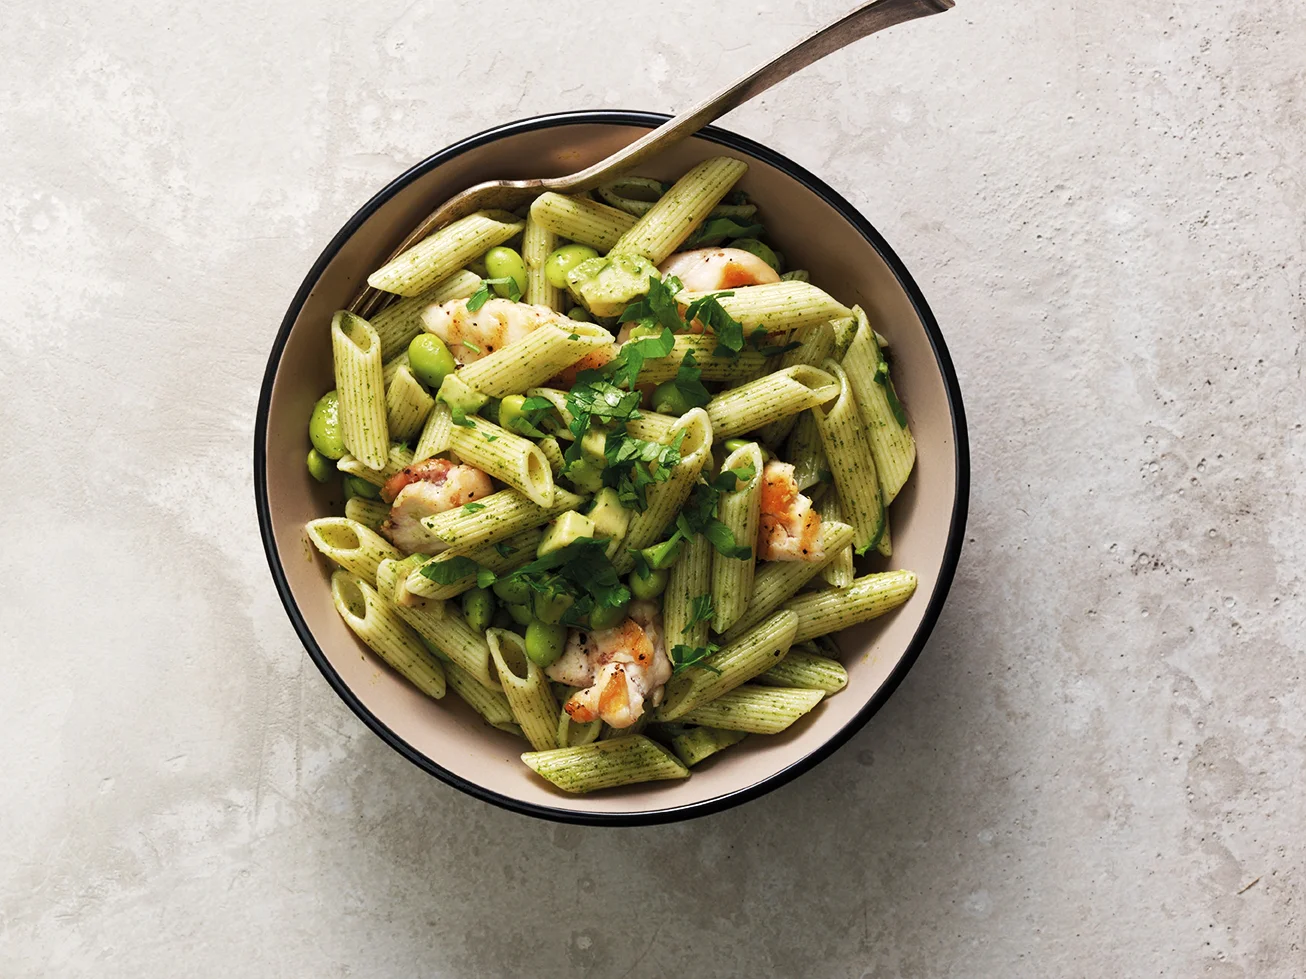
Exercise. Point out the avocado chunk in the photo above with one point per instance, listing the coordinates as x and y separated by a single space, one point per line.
462 398
609 517
565 529
606 286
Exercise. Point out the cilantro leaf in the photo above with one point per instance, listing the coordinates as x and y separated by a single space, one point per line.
449 572
473 507
683 657
717 230
580 572
485 578
701 609
482 295
882 378
729 331
688 384
504 550
657 307
625 367
757 339
632 465
723 539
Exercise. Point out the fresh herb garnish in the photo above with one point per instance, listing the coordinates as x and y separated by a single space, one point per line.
687 382
503 549
482 295
882 378
468 345
729 331
683 657
700 610
449 572
473 507
632 465
491 438
757 339
717 230
580 571
699 514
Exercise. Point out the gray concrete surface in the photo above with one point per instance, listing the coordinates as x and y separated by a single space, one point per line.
1096 768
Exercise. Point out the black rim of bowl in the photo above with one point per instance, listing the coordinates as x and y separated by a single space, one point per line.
956 530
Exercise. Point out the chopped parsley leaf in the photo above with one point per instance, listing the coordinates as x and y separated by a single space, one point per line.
504 549
729 331
683 657
482 295
449 572
473 507
700 609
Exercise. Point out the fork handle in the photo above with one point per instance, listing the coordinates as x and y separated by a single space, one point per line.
867 19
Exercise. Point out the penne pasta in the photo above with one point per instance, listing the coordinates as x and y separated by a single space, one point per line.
740 511
406 405
697 744
822 612
885 421
849 453
769 398
756 709
537 242
665 499
360 387
494 518
734 664
399 457
375 621
816 346
370 513
507 457
746 366
778 307
353 546
399 322
806 670
675 215
838 572
500 557
581 220
778 581
531 361
489 702
605 764
533 705
444 252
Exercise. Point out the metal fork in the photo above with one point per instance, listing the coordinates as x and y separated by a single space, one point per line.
508 195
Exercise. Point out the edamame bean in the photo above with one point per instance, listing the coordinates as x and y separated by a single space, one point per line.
478 608
357 486
324 429
608 616
512 591
513 417
563 260
504 263
429 359
319 466
651 587
521 614
668 399
545 642
580 314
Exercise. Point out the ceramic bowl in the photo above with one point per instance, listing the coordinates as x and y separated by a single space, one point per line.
818 230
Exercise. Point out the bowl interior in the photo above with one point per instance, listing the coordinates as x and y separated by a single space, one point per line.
446 737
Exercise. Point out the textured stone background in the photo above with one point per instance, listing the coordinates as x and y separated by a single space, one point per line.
1095 770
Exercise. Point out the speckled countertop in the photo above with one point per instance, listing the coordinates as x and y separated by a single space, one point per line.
1096 769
